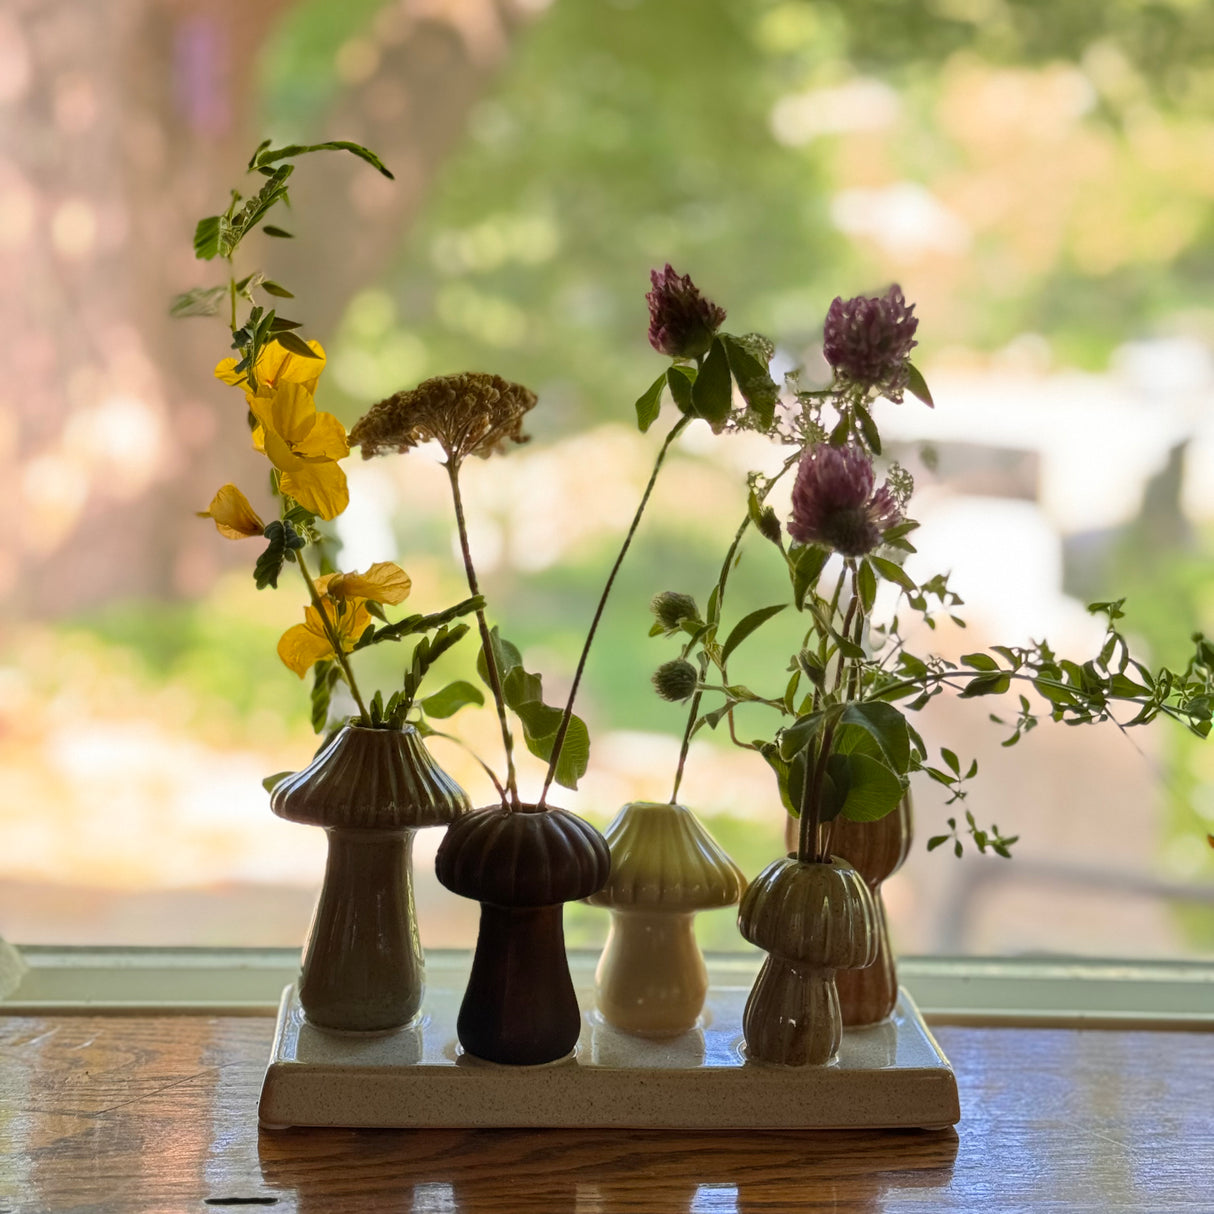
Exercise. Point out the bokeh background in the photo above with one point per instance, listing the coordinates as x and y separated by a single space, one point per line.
1038 177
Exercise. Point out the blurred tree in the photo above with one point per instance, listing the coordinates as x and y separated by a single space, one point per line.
127 122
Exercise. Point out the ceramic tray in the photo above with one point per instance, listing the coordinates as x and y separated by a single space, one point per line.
890 1075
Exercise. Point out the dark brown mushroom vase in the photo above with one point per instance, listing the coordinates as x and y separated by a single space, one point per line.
371 790
522 865
651 979
811 918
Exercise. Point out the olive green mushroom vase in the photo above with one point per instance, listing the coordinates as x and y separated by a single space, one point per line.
651 979
371 790
812 919
522 864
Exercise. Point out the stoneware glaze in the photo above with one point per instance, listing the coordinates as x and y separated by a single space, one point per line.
651 979
811 920
370 789
521 865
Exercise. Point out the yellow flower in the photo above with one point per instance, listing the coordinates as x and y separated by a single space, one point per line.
276 365
232 514
344 597
304 445
303 645
384 582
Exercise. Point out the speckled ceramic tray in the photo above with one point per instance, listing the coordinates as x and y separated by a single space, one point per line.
891 1075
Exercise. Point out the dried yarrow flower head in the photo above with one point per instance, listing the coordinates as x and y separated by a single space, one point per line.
833 502
681 321
472 413
868 340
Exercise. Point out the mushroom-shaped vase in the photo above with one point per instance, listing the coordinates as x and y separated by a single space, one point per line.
522 865
811 919
651 979
876 850
371 790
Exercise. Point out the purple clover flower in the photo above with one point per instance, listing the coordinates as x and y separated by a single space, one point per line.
833 502
681 321
868 340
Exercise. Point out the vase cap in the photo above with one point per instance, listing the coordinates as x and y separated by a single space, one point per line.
371 779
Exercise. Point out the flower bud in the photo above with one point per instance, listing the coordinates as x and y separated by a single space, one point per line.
672 608
676 681
681 321
769 525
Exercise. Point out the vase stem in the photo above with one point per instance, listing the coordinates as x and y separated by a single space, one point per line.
363 969
520 1008
792 1016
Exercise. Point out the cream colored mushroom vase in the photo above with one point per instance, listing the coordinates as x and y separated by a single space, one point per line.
651 979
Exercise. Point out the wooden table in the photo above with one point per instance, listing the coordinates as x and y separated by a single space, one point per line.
158 1115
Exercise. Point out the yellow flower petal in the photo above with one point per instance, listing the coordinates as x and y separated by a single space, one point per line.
384 582
300 648
320 487
276 365
232 514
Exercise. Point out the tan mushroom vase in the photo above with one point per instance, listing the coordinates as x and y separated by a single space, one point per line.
370 789
651 979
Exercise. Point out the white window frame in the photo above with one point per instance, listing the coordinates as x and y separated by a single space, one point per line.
1053 992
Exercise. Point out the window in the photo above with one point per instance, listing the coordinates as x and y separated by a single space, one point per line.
1036 186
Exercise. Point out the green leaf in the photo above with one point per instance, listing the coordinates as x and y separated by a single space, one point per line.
206 237
868 428
916 385
324 676
270 781
986 685
936 840
506 656
575 754
807 561
270 287
893 572
265 156
873 790
451 699
712 392
887 727
866 580
649 404
754 381
296 345
200 301
746 625
979 661
950 759
281 233
679 381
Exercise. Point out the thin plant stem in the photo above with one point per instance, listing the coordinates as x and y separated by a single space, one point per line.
495 679
450 737
567 715
334 640
847 623
808 851
722 578
686 745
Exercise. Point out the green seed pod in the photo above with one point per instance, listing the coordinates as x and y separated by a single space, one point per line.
672 608
676 681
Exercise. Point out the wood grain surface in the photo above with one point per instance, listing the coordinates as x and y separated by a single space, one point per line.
158 1115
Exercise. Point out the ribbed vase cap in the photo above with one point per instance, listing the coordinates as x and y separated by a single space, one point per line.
662 858
371 779
522 857
819 913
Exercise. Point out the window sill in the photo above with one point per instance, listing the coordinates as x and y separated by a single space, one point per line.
1046 992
